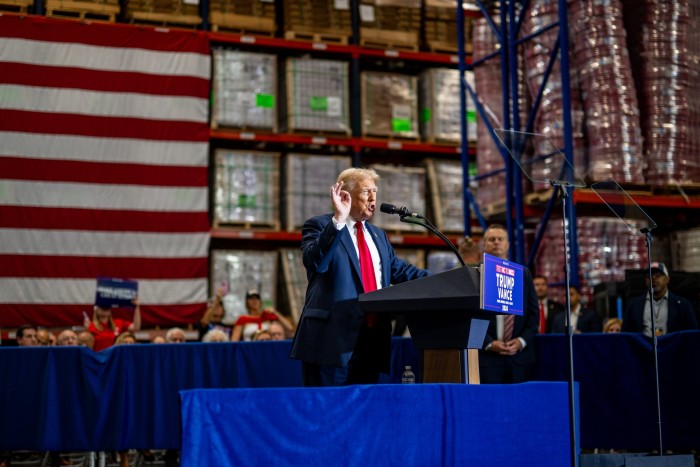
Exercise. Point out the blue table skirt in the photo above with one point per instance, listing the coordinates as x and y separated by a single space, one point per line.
127 397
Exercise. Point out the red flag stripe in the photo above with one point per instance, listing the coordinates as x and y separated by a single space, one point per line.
20 168
105 35
91 267
101 80
94 219
89 125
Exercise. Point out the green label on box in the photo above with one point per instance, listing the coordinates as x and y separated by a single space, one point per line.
265 100
471 116
318 103
426 115
246 201
400 124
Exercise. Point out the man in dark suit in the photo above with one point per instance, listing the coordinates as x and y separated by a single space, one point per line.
509 359
582 319
336 343
548 308
672 313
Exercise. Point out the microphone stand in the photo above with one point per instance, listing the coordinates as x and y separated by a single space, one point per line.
569 330
426 223
655 339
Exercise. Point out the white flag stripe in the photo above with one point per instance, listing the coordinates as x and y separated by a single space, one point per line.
102 196
42 291
62 54
103 244
104 104
83 148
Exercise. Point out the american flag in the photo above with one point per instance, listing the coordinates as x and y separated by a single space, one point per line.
103 168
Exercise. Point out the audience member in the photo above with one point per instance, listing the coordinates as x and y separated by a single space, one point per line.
469 250
262 335
175 336
67 338
26 336
345 256
277 331
213 317
582 319
105 328
127 338
613 325
45 338
86 339
215 335
247 325
548 308
671 312
158 340
508 353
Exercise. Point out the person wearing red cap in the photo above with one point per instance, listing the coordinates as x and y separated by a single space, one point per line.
672 313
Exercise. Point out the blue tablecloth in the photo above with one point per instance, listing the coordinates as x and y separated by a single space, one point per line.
127 397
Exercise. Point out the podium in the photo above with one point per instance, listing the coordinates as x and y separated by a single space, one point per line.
443 314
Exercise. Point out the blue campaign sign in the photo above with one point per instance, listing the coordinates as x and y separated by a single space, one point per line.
502 286
115 293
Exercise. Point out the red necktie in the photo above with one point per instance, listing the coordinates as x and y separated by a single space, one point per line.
543 319
369 280
508 324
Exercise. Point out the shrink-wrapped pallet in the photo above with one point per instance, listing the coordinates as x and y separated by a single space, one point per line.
246 190
446 192
440 106
307 178
317 95
238 271
390 23
400 186
389 105
685 250
249 16
440 26
245 90
295 281
317 20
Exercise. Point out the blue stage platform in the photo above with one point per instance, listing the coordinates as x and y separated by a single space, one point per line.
417 425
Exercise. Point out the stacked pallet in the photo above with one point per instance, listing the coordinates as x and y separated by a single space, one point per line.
440 106
440 26
245 16
295 281
389 105
16 6
238 271
246 190
317 96
244 90
400 186
317 20
446 193
84 10
307 178
390 24
163 12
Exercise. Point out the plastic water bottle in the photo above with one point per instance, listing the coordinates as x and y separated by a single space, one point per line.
407 377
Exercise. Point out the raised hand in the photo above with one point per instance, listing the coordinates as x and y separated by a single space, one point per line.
342 201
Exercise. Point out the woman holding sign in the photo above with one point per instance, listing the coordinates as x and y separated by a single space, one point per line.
106 328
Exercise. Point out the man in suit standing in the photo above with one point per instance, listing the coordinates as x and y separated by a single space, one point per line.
548 309
345 256
671 312
582 319
509 359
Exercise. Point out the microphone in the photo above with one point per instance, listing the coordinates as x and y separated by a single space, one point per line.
402 212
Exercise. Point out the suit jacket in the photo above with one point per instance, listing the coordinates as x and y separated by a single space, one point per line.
681 316
525 326
331 319
553 309
588 321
